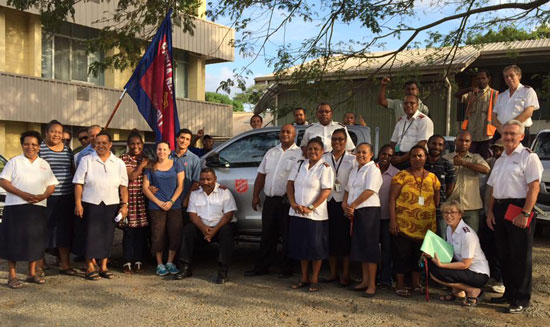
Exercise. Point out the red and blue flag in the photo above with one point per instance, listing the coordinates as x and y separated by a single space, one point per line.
152 85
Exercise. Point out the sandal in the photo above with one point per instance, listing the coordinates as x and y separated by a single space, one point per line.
419 290
92 275
314 287
403 292
14 283
35 279
137 267
127 268
106 274
301 284
472 301
68 272
40 272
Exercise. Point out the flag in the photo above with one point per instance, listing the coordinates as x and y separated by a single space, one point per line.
152 85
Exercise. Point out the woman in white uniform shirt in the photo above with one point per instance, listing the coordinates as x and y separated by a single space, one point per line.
308 188
362 205
28 181
101 181
469 270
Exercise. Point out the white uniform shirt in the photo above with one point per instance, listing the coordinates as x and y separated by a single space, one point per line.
466 246
407 133
31 177
341 169
308 184
101 180
276 165
512 173
325 133
211 208
367 177
397 106
508 108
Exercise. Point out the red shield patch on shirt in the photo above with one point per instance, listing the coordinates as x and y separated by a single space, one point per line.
241 185
185 163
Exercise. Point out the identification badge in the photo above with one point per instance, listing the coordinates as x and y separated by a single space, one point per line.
421 200
397 148
337 186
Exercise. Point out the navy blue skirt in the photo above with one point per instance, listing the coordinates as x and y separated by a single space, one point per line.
307 239
60 211
339 238
366 235
23 232
99 226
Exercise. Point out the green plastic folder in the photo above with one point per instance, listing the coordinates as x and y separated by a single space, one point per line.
435 244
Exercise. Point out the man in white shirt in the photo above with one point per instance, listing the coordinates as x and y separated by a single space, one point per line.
300 117
412 128
411 88
211 212
518 102
324 129
272 178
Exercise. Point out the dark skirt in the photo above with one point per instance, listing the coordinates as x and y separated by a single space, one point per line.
405 254
307 239
60 213
454 276
23 232
366 235
99 227
339 238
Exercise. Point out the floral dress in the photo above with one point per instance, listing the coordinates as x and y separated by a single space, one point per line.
137 214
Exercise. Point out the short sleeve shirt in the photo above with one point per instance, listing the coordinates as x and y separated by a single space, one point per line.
445 172
308 184
61 163
466 246
166 182
101 180
211 207
341 169
509 107
466 189
513 173
384 192
276 165
31 177
325 133
408 132
367 177
192 166
397 106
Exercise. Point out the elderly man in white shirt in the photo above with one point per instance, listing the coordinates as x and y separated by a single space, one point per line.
324 129
412 128
211 212
518 102
272 177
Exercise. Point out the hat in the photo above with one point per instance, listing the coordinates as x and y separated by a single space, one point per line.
499 143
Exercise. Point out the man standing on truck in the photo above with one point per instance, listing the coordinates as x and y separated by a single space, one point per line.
324 129
411 88
272 178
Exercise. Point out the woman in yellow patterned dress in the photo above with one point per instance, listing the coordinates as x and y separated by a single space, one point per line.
414 195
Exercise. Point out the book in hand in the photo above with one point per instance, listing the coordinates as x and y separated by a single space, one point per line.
434 244
513 211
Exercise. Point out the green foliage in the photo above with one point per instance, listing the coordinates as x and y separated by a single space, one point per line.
509 33
224 99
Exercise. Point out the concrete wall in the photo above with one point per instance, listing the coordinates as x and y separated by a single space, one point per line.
20 42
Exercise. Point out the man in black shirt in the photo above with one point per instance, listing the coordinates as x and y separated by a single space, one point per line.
445 172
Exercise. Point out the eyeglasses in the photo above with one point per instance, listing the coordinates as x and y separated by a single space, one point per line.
448 213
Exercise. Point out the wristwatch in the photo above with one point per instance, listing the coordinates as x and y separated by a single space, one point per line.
526 214
311 207
123 203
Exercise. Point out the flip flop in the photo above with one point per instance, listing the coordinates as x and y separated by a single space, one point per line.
301 284
106 274
314 287
92 275
68 272
403 292
35 279
14 283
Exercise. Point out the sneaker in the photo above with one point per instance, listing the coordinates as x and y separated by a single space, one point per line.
498 288
127 268
161 270
172 269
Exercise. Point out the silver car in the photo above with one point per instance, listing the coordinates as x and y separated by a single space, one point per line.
541 146
236 164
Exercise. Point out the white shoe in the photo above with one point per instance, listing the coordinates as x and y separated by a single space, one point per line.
498 288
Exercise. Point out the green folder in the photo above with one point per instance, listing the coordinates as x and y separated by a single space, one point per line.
435 244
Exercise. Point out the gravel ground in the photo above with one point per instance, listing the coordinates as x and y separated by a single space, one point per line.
147 300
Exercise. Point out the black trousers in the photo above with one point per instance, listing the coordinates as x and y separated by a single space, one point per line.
515 252
489 247
275 220
193 236
133 244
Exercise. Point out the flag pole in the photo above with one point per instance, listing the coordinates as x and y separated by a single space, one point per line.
116 108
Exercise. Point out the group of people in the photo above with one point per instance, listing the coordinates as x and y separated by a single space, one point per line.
328 199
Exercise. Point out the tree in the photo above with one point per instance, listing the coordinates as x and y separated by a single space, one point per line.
251 95
509 33
224 99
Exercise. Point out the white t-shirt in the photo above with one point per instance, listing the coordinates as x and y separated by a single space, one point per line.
341 169
325 133
211 207
408 132
31 177
466 246
364 178
308 183
276 165
101 180
509 107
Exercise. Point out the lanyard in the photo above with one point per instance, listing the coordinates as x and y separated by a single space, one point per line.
419 185
339 163
405 130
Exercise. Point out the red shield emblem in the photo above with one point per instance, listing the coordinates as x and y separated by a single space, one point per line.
241 185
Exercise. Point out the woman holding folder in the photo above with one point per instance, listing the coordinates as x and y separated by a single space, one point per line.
469 270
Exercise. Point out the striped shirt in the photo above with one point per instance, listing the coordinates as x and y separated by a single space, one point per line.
61 164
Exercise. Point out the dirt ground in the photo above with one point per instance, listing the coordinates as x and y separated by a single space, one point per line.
147 300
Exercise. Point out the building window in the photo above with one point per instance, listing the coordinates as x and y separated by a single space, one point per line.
181 60
64 55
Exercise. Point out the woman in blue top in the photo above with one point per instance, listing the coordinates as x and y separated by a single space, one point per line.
166 175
